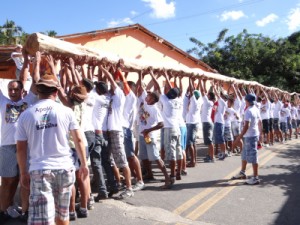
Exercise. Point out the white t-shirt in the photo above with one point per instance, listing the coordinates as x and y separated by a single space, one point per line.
185 106
219 114
229 116
115 121
298 110
253 116
206 109
171 112
272 107
265 110
10 112
130 109
277 108
149 116
87 123
284 114
19 60
100 112
181 118
45 126
294 113
237 107
193 113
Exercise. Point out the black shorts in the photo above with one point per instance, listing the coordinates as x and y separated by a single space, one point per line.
266 126
271 124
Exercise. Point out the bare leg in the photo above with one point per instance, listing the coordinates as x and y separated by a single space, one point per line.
127 175
7 191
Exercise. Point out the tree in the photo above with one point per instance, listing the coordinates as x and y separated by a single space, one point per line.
10 33
254 57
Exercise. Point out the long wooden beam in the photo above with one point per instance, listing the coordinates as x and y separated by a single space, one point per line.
43 43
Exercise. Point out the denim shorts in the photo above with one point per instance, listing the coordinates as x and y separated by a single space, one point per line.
183 134
50 193
172 144
228 134
276 124
162 138
219 130
283 127
236 128
298 123
8 161
148 151
294 124
192 130
271 124
117 149
128 142
289 123
249 152
207 129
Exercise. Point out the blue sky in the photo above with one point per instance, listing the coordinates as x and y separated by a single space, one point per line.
175 21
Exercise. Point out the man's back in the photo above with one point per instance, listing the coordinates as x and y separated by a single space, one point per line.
45 126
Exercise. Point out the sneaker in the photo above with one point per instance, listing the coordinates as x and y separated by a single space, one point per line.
91 202
252 181
267 145
138 186
24 217
72 216
13 212
240 175
127 194
222 156
82 213
229 154
259 146
183 172
101 197
209 160
112 192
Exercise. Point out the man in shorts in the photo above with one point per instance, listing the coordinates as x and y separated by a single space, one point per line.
207 124
10 110
42 135
250 135
115 123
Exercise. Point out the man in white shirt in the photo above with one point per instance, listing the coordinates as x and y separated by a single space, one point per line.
265 107
250 135
207 124
18 59
10 110
219 123
42 135
171 113
100 156
192 121
115 121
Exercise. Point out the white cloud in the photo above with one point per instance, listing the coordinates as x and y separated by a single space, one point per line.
293 20
268 19
161 9
133 13
115 23
232 15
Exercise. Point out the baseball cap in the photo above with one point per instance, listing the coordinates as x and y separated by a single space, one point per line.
250 98
19 46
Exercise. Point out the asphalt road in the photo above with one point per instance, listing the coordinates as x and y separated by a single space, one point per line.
208 196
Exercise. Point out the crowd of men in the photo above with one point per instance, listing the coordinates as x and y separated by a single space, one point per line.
88 110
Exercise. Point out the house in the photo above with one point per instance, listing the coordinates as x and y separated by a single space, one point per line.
138 43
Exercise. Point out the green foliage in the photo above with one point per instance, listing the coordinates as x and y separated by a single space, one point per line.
11 34
254 57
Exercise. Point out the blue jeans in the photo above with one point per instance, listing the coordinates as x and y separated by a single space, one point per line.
100 157
90 138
